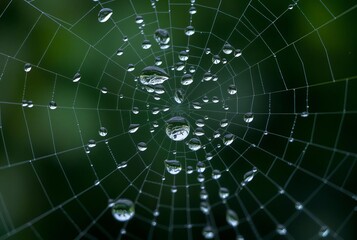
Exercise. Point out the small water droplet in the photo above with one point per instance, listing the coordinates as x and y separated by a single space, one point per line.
186 79
281 230
123 164
29 104
153 75
232 218
131 67
158 61
162 36
179 96
199 132
27 67
119 52
216 174
228 139
216 59
92 143
203 194
139 19
173 166
232 89
223 192
173 189
104 14
200 123
224 123
304 114
237 53
183 55
194 144
196 105
189 170
207 76
189 31
200 166
52 105
248 117
177 128
207 232
146 44
324 231
215 99
298 206
200 177
135 110
142 146
104 90
207 51
123 210
192 10
248 176
133 127
103 131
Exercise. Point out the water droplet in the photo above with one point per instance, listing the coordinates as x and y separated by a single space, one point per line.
24 103
131 67
123 164
232 89
158 61
200 177
177 128
92 143
223 192
52 105
248 176
205 99
209 156
324 231
123 210
103 131
192 10
192 69
146 44
248 117
153 75
298 206
237 53
96 182
224 123
194 144
142 146
29 104
281 230
183 56
173 189
186 79
189 169
203 194
228 139
180 66
119 52
189 31
291 6
199 132
139 19
179 96
216 174
155 110
135 110
156 213
196 105
216 59
162 36
125 38
216 134
104 14
173 166
201 167
304 114
200 123
207 51
215 99
207 232
227 48
232 218
104 90
27 67
76 77
165 108
207 76
204 207
291 139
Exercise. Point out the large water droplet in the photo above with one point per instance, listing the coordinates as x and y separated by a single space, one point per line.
207 232
153 75
248 117
232 218
177 128
142 146
194 144
162 36
104 14
123 210
173 166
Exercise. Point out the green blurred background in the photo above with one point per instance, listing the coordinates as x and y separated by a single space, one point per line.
291 59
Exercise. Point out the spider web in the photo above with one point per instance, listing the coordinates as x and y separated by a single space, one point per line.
67 153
